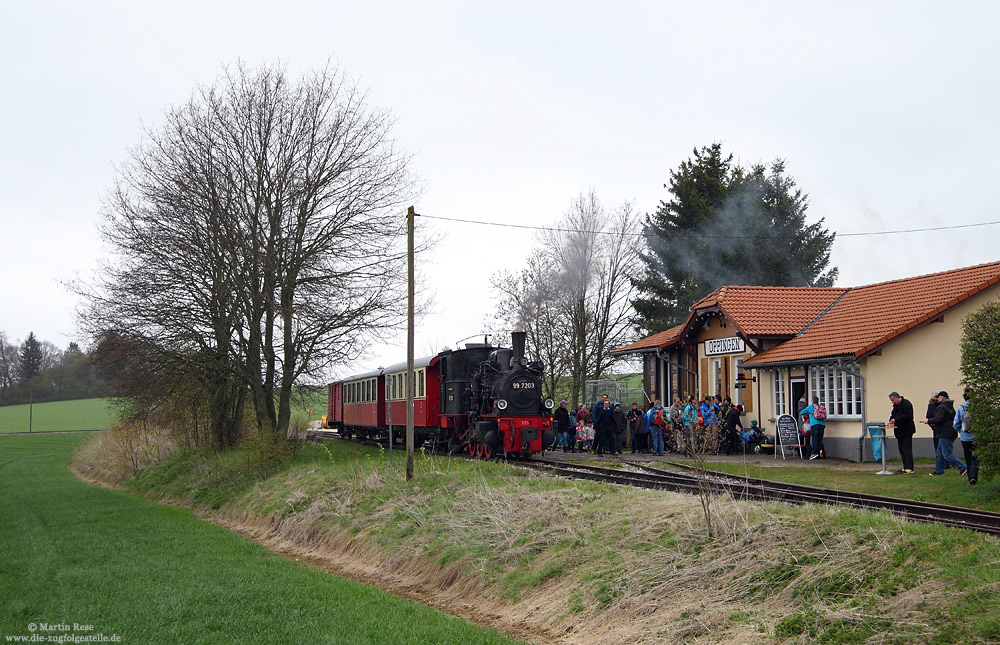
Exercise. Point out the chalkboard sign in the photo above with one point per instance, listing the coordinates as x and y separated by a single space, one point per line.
788 430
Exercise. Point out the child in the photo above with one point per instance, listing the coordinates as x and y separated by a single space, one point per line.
581 437
589 443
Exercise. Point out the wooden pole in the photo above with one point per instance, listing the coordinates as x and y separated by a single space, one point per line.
410 214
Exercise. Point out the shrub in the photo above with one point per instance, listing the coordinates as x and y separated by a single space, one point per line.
981 375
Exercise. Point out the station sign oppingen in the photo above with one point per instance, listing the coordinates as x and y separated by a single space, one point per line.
731 345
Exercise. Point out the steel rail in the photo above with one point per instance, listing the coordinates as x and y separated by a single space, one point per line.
762 489
740 487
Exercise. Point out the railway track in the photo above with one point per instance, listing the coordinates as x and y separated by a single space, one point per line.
761 489
644 476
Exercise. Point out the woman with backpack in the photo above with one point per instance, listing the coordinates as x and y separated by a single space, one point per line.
816 414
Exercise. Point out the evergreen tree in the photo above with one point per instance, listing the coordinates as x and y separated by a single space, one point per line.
31 358
726 225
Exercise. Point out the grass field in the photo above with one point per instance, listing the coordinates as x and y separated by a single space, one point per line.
149 573
96 414
82 414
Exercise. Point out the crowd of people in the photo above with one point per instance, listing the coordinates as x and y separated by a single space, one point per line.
712 425
947 424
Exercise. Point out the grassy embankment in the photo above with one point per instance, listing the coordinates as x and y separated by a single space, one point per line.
150 573
584 561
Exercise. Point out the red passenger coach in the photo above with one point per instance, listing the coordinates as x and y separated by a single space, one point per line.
426 392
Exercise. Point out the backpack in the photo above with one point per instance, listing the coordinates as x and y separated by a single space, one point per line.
658 419
966 421
820 411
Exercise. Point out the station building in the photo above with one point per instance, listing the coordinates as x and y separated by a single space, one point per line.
767 347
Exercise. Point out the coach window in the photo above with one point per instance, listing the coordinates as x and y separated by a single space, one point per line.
420 383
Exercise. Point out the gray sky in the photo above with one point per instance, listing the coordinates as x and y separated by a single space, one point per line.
885 112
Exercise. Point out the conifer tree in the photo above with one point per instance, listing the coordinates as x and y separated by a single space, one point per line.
31 358
726 225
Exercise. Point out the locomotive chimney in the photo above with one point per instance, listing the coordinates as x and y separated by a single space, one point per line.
517 340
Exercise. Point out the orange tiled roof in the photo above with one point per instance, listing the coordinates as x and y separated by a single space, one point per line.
770 311
650 343
866 318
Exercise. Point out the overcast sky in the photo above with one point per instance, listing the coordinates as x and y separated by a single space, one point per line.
885 112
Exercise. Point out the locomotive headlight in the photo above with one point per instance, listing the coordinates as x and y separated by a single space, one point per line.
549 404
501 404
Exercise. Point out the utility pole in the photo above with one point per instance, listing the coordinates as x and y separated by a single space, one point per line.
410 215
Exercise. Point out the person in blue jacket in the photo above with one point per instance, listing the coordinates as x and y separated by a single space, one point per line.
963 423
816 428
656 429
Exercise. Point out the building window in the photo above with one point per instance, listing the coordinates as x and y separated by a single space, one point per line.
780 392
715 384
838 390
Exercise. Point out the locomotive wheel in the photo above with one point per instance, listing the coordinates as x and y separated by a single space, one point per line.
480 450
472 449
487 452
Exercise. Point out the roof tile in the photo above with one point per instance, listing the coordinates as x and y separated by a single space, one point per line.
868 317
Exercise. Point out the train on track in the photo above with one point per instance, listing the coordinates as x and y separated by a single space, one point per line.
483 400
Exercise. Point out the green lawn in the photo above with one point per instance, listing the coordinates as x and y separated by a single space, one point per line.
150 573
82 414
96 414
951 489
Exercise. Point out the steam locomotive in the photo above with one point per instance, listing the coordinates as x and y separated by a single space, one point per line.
483 400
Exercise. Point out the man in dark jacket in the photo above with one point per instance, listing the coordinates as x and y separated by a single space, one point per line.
732 442
562 425
901 421
604 427
621 423
941 423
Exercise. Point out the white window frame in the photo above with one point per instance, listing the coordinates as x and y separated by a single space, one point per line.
780 391
837 389
715 384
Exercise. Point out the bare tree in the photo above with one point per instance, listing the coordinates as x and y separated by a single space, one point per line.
257 237
574 295
533 302
10 365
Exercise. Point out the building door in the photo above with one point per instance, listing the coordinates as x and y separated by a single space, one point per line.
798 392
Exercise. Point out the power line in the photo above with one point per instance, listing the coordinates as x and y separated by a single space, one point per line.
730 236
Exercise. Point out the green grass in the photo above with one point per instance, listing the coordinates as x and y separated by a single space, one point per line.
150 573
82 414
951 489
